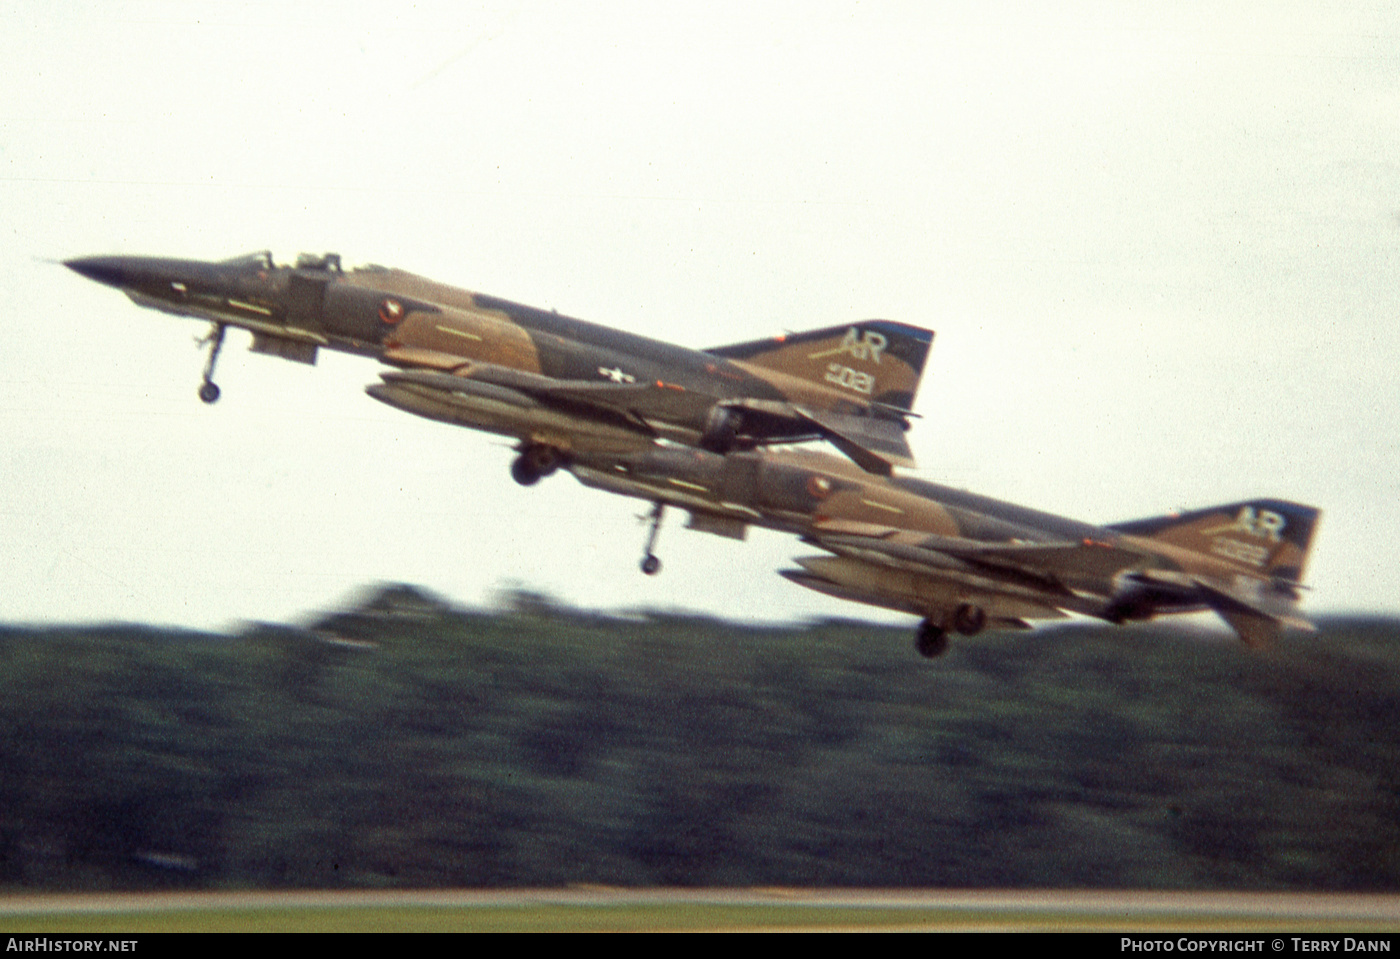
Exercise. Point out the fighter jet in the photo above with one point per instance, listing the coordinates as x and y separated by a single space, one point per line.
966 562
558 385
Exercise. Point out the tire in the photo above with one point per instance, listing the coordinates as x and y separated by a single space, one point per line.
932 640
721 431
969 619
524 472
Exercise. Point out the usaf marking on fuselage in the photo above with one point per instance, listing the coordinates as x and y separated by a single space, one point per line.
616 375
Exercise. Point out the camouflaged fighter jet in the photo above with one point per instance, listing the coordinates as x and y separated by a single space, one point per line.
965 562
558 385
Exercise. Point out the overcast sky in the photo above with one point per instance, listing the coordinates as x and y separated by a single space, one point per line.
1158 243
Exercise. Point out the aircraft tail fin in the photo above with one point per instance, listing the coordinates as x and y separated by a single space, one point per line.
881 359
1266 540
1265 537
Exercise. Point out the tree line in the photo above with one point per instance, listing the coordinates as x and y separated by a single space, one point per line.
405 742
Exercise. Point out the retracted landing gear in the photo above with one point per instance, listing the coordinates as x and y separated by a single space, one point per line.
651 564
535 462
208 390
932 638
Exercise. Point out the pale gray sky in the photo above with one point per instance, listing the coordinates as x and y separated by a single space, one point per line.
1158 243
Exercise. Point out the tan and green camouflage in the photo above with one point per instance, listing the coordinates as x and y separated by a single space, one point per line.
559 385
966 562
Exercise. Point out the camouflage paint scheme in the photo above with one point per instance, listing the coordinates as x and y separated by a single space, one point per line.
598 400
559 385
966 562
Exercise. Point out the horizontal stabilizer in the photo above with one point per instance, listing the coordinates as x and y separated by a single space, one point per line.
1260 615
1256 632
875 444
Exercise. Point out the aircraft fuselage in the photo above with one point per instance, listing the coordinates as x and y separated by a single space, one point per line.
852 384
967 562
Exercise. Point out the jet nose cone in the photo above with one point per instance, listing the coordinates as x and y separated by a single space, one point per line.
111 270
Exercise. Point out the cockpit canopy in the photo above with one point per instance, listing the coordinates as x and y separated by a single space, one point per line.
330 262
262 260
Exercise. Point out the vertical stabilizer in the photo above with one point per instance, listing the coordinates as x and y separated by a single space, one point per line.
881 360
1266 541
1265 537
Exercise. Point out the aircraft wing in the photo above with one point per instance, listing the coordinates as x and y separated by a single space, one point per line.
875 443
933 575
883 571
632 401
1056 565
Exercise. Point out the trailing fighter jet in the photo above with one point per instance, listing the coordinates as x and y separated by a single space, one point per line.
560 386
965 562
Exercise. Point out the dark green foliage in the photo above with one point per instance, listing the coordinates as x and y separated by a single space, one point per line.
407 744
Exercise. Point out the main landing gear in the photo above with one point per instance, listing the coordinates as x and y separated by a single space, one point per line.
651 563
931 640
536 461
932 637
208 390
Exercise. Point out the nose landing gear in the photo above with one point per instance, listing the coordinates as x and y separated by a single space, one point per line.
651 563
208 389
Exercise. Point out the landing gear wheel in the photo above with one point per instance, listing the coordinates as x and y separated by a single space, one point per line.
969 619
932 639
208 392
523 473
651 563
534 463
721 430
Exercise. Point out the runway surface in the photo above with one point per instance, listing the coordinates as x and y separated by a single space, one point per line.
955 909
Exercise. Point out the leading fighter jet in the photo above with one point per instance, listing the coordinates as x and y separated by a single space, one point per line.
965 562
560 386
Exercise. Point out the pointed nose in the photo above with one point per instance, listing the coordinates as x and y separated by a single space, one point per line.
111 270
